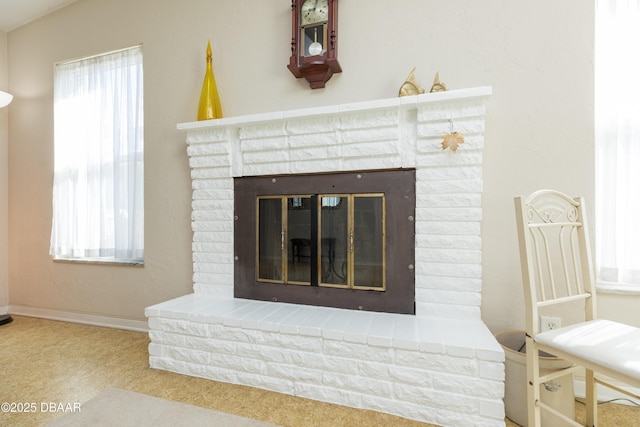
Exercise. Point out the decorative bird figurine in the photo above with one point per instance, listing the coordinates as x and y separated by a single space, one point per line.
410 86
437 86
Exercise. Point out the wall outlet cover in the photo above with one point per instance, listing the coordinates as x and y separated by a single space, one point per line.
548 323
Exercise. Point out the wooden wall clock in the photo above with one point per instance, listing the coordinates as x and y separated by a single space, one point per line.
314 41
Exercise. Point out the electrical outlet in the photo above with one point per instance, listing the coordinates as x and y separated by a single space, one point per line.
548 323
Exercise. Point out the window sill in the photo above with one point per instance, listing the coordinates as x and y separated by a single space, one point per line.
618 288
103 261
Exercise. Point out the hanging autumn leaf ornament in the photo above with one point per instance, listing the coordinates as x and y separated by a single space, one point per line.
452 141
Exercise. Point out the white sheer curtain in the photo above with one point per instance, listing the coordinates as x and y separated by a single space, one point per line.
617 110
98 198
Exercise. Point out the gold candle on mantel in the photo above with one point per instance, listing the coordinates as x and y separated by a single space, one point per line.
209 106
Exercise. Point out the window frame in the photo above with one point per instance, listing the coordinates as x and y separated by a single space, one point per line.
64 249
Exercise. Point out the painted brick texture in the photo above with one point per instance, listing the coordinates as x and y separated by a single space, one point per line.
361 137
440 366
442 371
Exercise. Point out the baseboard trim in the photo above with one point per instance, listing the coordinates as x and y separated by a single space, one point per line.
83 318
606 394
4 310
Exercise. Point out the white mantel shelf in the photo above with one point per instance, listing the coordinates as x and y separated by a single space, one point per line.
404 102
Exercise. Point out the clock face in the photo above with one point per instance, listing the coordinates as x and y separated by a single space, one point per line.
313 11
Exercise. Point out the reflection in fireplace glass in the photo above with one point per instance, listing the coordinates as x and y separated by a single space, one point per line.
334 240
299 238
334 220
270 239
368 242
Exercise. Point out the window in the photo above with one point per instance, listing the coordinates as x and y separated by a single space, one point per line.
617 109
343 240
98 188
322 240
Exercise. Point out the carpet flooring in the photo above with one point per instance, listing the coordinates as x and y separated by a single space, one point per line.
123 408
49 367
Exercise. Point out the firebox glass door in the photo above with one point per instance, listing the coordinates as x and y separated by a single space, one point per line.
368 242
331 240
352 243
334 250
299 240
270 239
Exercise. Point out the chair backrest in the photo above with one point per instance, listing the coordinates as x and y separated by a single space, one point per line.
555 253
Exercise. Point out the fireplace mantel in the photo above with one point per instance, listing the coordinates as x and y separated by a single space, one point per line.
404 103
329 122
441 365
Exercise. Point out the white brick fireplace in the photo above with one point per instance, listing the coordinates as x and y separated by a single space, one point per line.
441 365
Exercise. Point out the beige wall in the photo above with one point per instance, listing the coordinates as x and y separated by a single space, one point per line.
4 182
538 56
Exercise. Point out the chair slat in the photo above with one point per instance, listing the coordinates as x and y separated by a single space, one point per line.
549 265
575 250
538 264
563 257
553 224
562 300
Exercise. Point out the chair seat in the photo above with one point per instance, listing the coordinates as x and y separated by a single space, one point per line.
602 342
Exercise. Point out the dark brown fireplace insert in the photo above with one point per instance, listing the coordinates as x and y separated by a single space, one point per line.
344 240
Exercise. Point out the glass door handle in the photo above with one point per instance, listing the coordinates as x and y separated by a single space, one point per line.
351 241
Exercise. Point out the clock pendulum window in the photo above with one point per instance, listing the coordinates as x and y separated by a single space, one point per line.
312 47
314 41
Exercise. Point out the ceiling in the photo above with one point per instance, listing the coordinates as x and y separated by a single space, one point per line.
14 13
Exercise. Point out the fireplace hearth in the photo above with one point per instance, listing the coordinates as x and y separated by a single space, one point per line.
437 364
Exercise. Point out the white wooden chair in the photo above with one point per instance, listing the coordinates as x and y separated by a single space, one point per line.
557 269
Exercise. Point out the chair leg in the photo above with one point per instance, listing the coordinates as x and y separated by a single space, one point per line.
533 384
591 408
